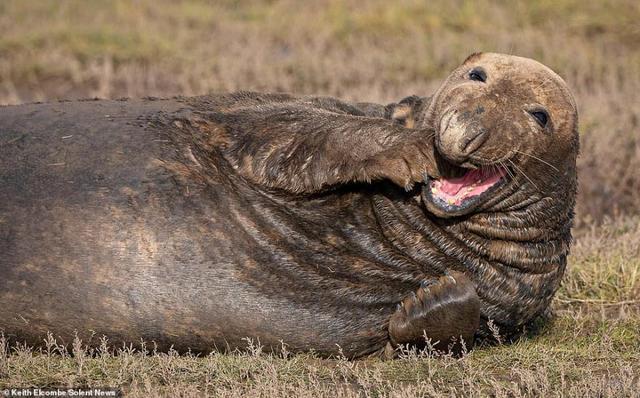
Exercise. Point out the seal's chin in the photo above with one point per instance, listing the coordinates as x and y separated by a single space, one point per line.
461 194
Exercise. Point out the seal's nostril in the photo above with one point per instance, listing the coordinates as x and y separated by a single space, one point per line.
472 141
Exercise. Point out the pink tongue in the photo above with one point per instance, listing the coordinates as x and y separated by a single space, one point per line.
454 185
473 183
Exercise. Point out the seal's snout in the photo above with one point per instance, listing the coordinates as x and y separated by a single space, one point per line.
459 138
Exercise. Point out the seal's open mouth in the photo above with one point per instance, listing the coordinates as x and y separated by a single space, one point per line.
469 188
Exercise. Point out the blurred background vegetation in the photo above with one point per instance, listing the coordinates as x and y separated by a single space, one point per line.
370 50
367 50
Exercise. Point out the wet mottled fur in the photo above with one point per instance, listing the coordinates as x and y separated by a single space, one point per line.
197 222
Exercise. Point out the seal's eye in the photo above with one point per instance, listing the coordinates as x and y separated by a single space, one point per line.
478 74
541 117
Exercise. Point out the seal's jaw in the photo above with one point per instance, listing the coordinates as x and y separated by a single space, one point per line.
463 192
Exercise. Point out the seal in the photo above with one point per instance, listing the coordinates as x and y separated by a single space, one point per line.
325 225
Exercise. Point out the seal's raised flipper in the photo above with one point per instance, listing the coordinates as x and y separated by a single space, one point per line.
446 310
306 146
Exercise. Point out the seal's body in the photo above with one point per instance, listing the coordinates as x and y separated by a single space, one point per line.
198 222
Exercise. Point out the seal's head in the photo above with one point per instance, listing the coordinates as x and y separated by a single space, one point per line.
502 124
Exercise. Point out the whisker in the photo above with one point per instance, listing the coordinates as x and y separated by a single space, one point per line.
524 174
537 158
504 166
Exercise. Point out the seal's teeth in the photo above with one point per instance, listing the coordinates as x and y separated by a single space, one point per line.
434 190
451 201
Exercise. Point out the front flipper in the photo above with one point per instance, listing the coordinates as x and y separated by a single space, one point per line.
309 146
446 310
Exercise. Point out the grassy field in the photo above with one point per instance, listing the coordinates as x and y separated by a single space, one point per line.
374 51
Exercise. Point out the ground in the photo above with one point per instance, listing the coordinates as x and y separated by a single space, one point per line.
589 344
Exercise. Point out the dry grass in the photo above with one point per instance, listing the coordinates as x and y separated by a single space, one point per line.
377 51
573 356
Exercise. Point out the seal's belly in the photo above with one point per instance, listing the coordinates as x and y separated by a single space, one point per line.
110 227
209 268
